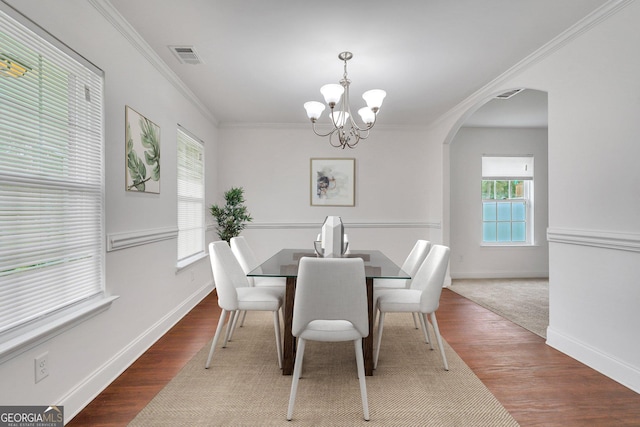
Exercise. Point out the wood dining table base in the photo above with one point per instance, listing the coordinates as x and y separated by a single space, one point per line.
289 341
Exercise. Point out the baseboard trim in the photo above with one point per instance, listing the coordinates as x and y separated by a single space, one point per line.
502 275
617 370
87 390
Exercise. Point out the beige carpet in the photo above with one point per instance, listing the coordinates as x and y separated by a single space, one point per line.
245 387
525 302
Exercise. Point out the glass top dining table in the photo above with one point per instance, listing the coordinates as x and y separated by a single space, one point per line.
285 264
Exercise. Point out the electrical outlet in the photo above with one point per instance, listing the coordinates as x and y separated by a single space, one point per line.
42 366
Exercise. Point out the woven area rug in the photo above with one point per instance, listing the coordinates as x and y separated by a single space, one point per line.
525 302
245 387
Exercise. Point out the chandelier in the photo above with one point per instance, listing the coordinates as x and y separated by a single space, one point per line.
345 132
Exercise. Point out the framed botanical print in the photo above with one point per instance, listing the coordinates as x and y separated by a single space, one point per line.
142 160
333 182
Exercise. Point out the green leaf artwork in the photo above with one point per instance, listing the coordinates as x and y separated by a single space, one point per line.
142 138
151 139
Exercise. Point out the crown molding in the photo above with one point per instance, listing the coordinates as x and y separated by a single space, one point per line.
114 17
306 126
602 13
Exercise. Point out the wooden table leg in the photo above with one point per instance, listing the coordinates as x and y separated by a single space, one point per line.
367 343
289 341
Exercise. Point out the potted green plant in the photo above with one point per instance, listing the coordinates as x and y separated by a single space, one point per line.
233 216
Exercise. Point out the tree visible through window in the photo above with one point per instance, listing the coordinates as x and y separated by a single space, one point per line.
503 211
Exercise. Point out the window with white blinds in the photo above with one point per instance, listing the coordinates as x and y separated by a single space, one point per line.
191 209
51 178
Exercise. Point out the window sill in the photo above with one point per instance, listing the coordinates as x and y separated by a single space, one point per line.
32 335
508 245
182 264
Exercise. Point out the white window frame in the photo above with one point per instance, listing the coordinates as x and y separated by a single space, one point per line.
190 199
510 168
51 188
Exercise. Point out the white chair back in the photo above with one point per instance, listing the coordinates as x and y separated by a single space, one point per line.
331 289
244 255
430 278
227 274
416 257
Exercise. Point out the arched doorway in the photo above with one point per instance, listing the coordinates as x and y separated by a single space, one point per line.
513 126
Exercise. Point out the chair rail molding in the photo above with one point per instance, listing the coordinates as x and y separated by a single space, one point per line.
316 225
596 238
117 241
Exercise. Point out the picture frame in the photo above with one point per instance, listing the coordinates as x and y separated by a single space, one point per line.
142 153
333 182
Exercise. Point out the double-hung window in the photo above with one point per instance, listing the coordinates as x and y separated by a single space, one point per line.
507 200
51 181
191 209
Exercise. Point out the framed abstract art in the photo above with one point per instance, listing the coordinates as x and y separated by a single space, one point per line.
333 182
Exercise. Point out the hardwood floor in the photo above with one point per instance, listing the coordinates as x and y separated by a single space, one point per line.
121 401
538 385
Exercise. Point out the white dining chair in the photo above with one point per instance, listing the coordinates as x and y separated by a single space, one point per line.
410 266
248 261
331 306
423 297
236 294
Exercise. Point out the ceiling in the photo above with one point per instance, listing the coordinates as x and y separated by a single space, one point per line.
525 109
261 60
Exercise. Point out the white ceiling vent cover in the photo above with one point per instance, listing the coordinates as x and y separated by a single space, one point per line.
186 54
509 94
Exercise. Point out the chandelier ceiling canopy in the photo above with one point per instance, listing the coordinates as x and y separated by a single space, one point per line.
345 131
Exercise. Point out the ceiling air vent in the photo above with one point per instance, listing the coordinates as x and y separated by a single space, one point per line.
186 54
509 94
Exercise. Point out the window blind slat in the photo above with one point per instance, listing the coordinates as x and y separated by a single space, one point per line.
191 207
51 179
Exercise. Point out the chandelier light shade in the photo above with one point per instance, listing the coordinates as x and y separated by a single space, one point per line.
345 131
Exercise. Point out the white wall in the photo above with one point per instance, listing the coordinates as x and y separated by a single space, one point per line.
594 198
153 296
398 190
402 179
590 76
468 258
